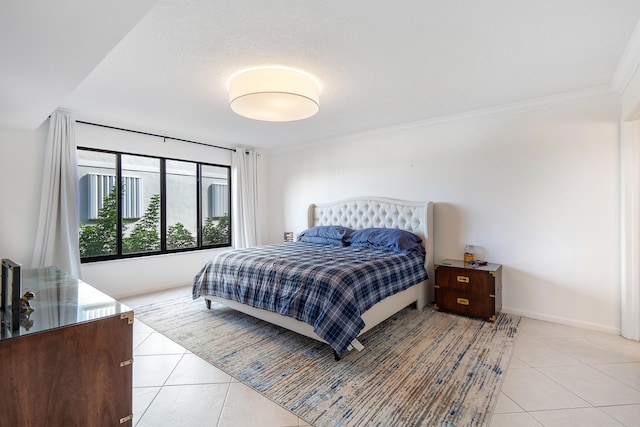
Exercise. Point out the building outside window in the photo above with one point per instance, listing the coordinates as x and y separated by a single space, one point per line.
161 205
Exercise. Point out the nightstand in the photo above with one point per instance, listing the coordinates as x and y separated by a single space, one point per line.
470 291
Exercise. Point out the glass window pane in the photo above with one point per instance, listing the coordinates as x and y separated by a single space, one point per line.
215 205
97 203
140 204
181 196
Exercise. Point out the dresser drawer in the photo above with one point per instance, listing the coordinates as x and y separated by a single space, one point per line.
466 280
472 305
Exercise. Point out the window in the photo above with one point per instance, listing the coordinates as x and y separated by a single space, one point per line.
215 210
182 216
132 205
141 235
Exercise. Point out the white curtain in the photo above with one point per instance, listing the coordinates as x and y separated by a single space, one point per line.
630 207
57 235
244 171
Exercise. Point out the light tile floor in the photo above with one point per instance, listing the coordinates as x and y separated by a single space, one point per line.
558 376
174 387
565 376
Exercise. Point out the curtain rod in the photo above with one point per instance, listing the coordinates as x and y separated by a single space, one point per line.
153 134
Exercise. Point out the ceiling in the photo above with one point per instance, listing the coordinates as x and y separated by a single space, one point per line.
162 66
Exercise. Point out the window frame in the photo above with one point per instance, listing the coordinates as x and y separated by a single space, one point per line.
163 208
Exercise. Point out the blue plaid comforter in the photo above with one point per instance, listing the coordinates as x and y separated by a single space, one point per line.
325 286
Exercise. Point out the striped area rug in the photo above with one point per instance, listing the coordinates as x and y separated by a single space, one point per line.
418 368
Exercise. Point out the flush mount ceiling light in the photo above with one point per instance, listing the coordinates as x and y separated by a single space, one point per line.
274 94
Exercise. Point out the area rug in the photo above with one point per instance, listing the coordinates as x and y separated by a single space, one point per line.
418 368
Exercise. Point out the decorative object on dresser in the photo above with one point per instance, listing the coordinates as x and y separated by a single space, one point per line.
25 305
10 295
473 290
70 361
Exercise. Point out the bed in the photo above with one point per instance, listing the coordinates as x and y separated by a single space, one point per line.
224 279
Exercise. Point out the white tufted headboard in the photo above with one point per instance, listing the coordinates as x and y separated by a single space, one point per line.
365 212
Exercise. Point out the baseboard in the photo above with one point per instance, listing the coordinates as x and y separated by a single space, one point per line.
147 291
562 321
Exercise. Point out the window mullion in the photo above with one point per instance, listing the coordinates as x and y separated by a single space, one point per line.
199 205
230 206
119 193
163 205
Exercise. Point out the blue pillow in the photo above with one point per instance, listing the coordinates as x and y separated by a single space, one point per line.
329 231
320 240
396 240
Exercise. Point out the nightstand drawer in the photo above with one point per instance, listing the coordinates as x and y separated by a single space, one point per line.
472 305
467 280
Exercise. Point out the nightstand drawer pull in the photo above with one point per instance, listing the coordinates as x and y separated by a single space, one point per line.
463 279
463 301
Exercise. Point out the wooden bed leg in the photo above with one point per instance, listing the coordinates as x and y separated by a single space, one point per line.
335 355
208 303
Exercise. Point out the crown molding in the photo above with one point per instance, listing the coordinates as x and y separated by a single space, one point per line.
628 63
586 95
542 103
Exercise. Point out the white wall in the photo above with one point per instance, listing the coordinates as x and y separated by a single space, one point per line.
538 192
630 202
21 163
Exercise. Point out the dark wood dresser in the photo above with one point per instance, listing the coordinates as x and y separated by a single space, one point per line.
70 363
470 291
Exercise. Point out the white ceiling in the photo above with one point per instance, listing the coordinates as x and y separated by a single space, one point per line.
163 68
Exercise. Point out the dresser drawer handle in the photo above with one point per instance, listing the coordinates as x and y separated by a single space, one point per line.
463 301
463 279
